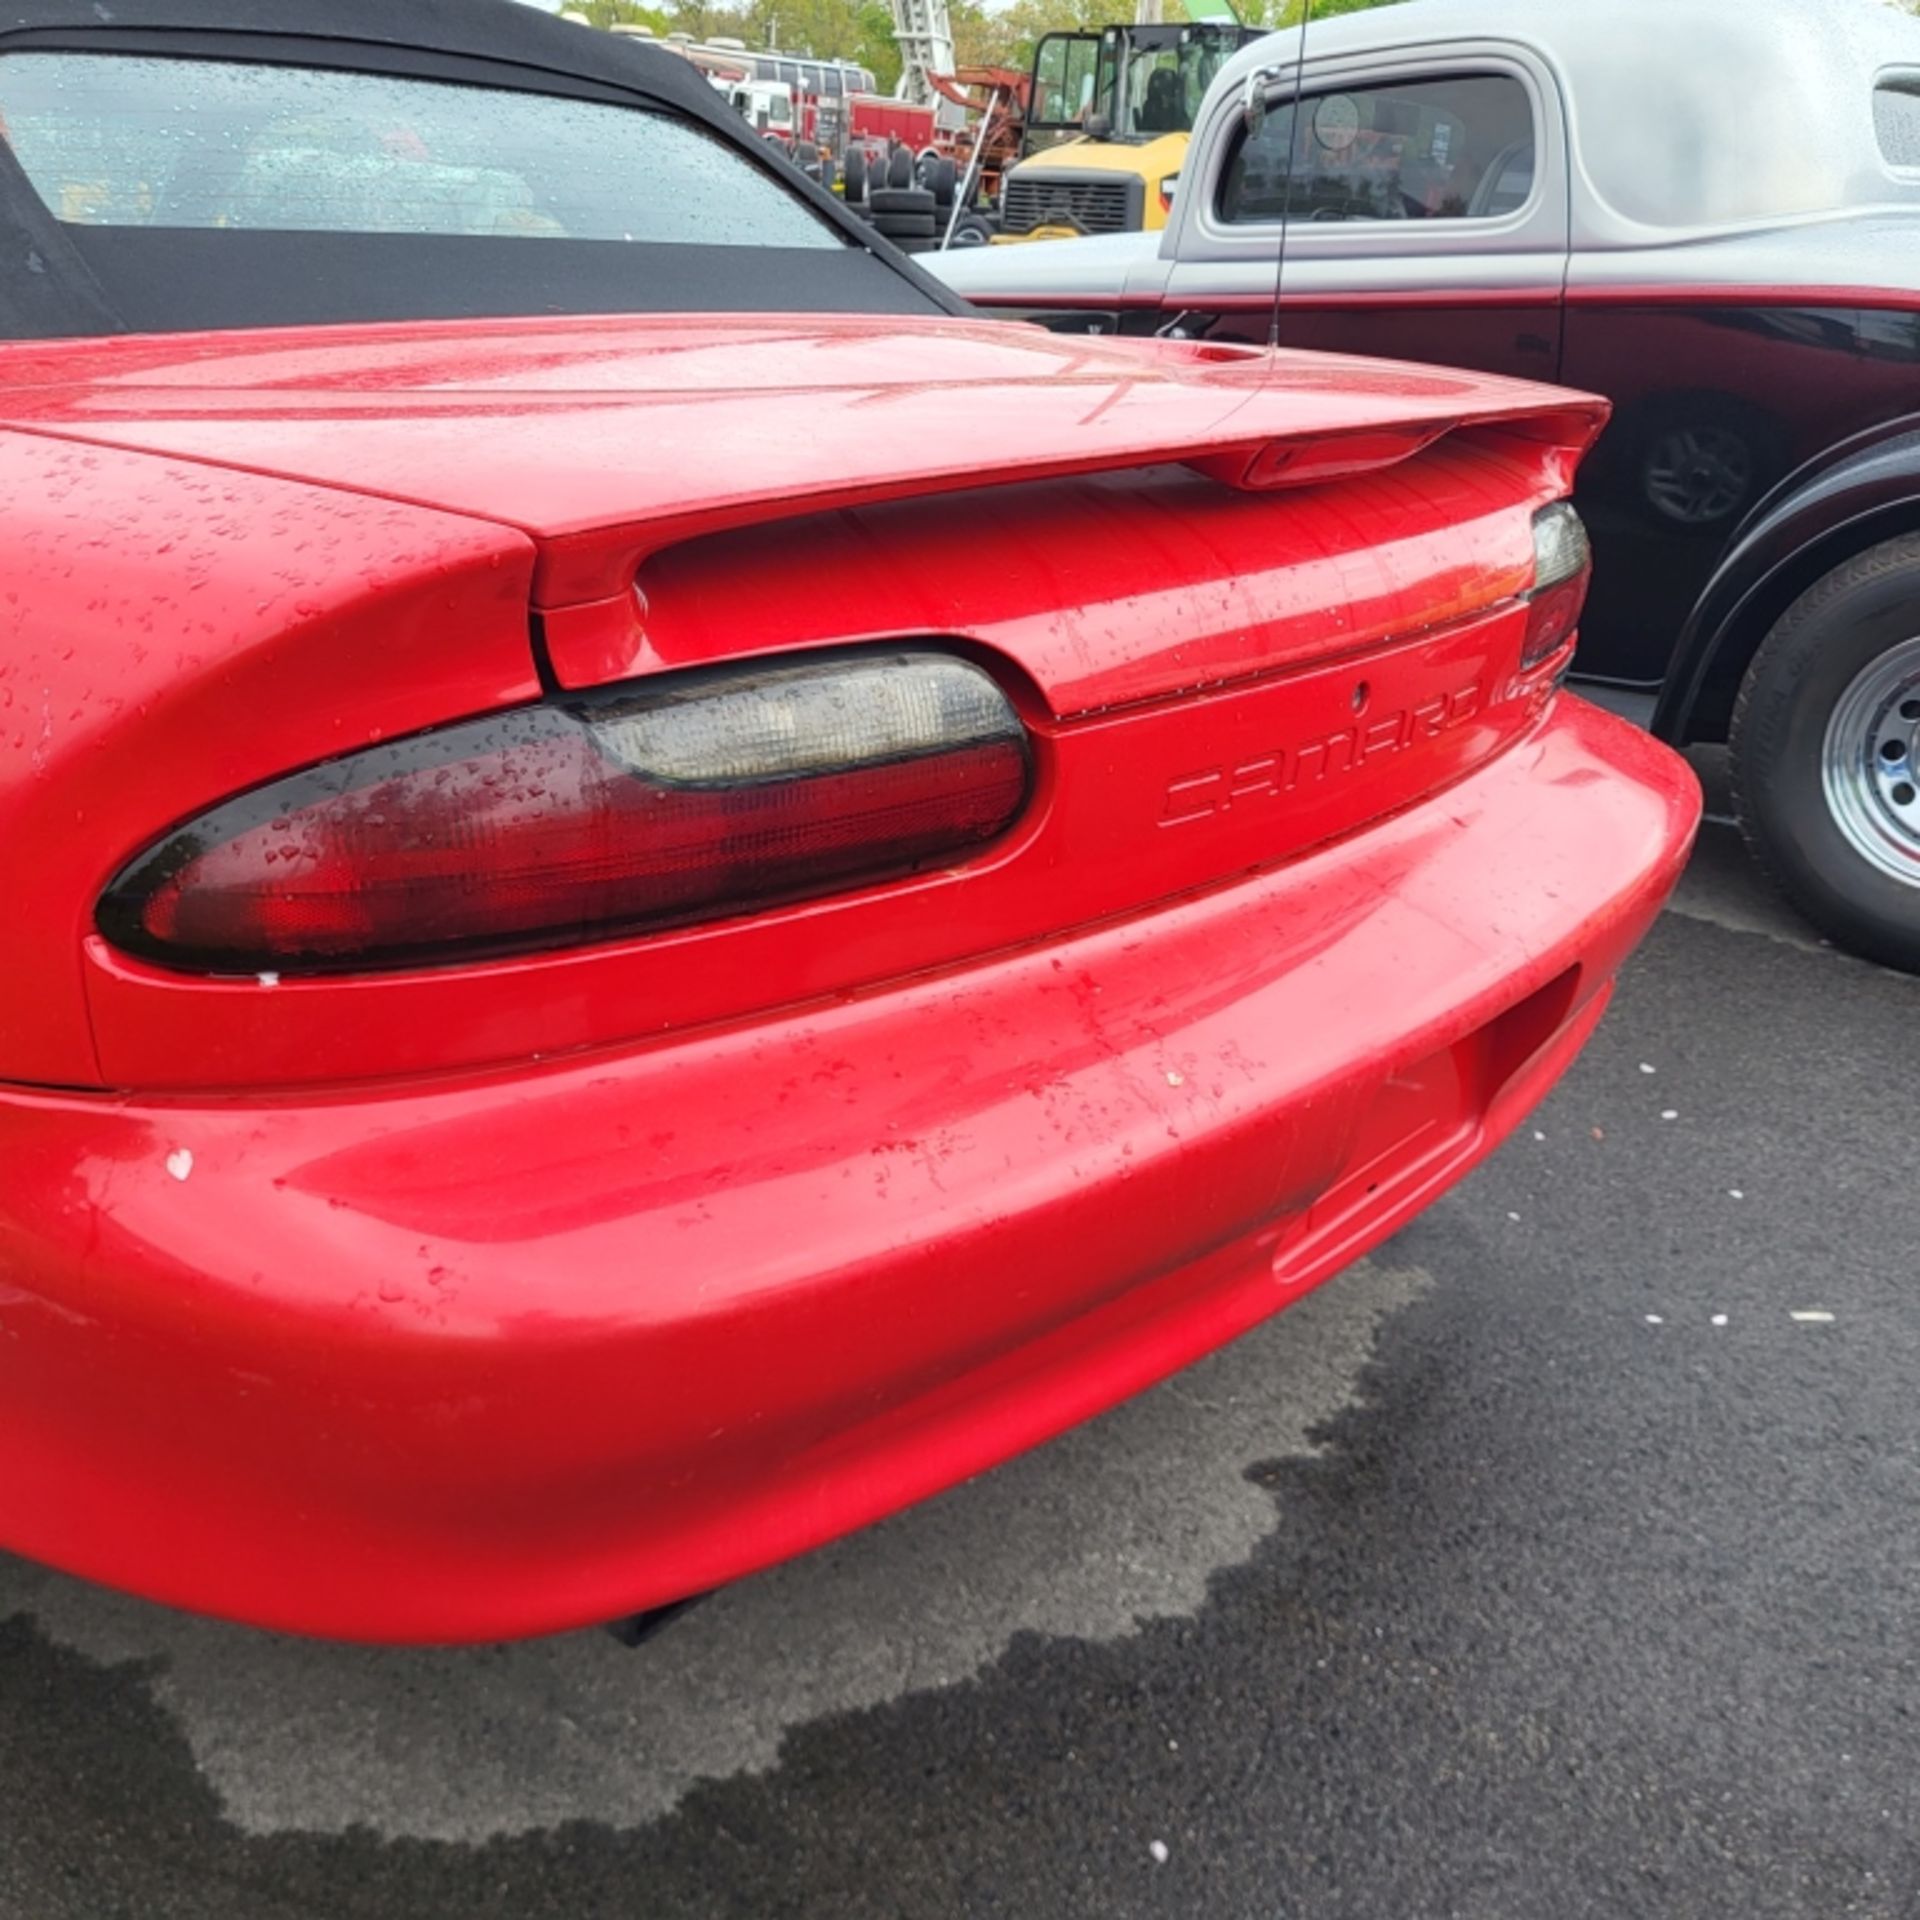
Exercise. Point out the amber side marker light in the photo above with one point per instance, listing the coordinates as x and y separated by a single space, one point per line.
1562 570
686 797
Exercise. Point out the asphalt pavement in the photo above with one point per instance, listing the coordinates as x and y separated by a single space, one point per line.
1559 1561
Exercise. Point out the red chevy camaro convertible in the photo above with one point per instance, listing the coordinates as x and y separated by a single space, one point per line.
661 896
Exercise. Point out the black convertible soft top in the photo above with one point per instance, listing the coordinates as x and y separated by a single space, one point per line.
59 280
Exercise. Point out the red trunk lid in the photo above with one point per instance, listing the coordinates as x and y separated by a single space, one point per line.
1246 606
767 482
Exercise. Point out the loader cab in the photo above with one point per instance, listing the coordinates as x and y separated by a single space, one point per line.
1126 84
1108 126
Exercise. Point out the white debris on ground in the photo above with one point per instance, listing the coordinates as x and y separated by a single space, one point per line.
1734 1193
1645 1068
1158 1848
1807 1316
1670 1113
180 1162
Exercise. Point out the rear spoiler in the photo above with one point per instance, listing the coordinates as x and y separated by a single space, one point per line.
1243 417
1318 422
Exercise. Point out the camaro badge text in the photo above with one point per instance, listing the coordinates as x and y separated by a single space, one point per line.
1285 770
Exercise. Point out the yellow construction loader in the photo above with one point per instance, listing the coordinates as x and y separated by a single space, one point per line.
1108 119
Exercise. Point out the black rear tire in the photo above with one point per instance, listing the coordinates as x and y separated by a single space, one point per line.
1794 751
900 168
854 177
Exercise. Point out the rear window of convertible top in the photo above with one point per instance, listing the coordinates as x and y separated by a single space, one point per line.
124 141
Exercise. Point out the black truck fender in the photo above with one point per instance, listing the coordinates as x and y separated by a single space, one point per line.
1857 493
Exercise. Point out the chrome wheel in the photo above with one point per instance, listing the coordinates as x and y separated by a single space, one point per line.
1870 765
1697 475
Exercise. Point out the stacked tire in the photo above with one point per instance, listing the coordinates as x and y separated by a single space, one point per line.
905 215
853 178
909 199
940 177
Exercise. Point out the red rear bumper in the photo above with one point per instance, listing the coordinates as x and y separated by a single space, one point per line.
490 1357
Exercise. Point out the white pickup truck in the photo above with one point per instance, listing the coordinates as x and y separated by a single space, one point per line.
1709 213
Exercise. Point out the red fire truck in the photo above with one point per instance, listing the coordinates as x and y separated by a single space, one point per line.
835 105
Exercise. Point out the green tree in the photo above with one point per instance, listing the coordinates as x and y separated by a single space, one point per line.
1018 29
874 46
1286 13
1007 38
979 37
623 13
862 30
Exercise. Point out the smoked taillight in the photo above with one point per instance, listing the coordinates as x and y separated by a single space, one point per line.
1562 568
686 797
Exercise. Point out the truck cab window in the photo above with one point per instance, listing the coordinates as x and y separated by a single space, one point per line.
1896 119
1450 148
